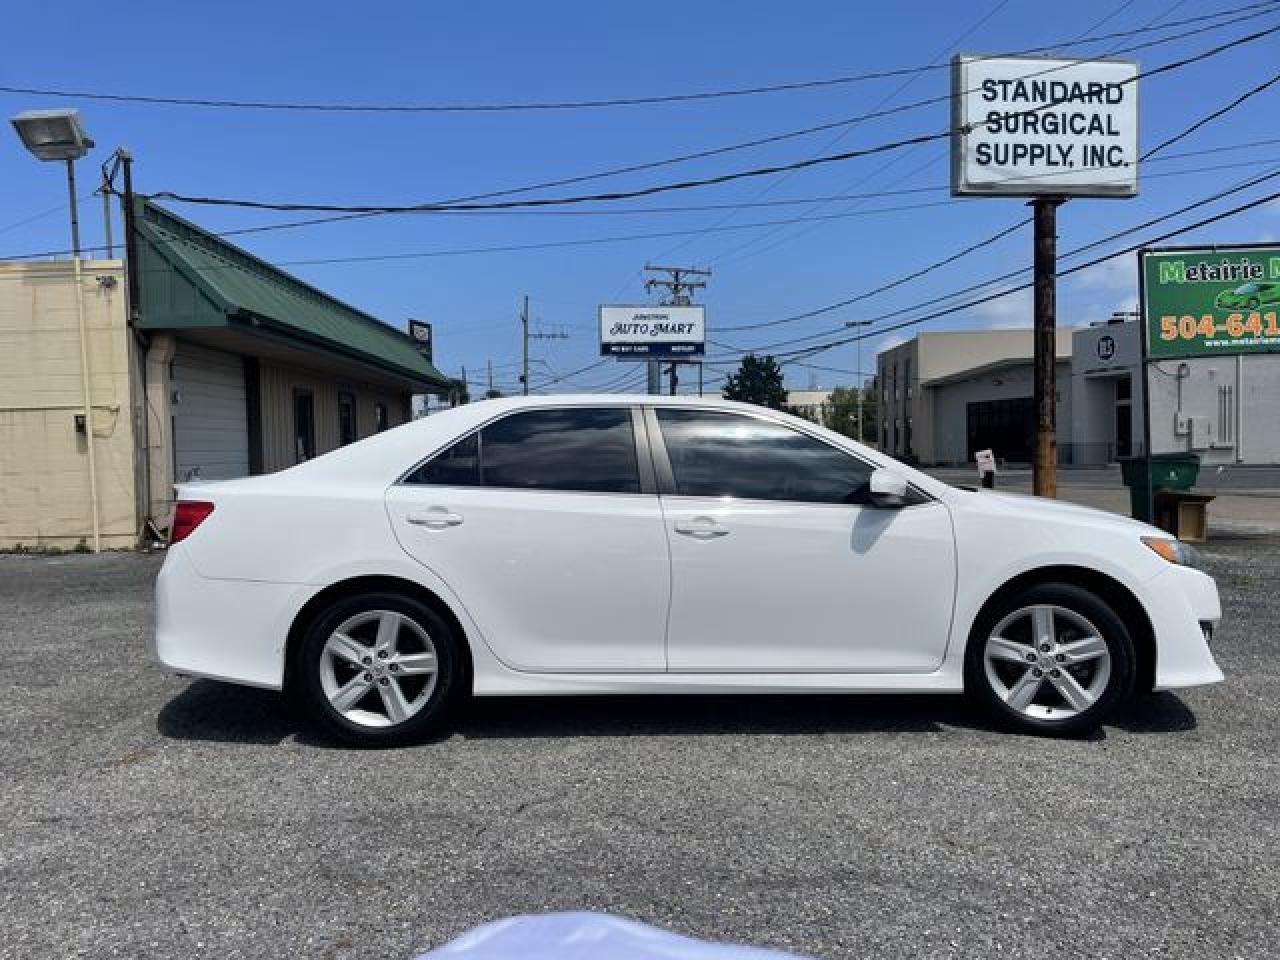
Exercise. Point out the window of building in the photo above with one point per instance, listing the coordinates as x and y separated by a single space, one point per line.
346 418
906 383
575 449
304 425
379 417
730 455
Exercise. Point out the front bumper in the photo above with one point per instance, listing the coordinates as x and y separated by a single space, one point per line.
1181 603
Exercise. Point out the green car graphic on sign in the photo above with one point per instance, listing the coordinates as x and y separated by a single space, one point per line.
1249 296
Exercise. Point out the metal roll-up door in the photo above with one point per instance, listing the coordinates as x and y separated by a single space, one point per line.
210 417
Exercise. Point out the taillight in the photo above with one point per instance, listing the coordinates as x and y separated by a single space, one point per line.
187 515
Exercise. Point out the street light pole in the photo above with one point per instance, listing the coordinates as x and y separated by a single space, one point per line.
75 216
858 370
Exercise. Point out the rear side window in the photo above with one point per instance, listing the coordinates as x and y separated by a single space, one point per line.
729 455
577 449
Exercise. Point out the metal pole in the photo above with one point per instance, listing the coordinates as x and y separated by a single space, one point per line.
75 216
699 378
655 377
88 407
130 238
858 367
106 215
674 378
1044 477
524 323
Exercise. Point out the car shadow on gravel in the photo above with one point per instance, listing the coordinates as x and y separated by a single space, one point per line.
210 711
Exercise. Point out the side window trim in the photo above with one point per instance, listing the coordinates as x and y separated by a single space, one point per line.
663 474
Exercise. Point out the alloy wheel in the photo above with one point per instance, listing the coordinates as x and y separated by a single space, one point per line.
378 668
1047 662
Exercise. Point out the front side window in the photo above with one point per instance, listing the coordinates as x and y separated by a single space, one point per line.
379 417
574 449
729 455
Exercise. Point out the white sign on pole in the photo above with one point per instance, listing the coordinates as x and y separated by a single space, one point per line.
652 332
1027 126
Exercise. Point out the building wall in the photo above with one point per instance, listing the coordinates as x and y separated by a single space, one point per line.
278 384
1101 356
930 356
951 406
44 470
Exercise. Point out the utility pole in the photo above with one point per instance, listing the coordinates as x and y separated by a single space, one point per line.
1044 475
861 380
524 325
678 291
526 336
490 364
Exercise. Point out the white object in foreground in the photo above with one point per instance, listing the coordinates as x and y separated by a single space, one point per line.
587 936
605 544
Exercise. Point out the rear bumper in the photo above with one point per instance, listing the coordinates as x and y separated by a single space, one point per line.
231 630
1180 603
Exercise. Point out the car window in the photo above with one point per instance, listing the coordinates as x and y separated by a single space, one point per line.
583 448
576 449
730 455
456 466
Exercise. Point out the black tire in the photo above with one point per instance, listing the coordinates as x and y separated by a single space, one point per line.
430 718
1114 687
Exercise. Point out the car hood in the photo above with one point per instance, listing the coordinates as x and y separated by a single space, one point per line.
1055 511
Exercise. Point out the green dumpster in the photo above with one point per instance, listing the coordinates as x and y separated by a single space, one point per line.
1168 471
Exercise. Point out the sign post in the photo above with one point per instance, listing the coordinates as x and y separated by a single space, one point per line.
1050 130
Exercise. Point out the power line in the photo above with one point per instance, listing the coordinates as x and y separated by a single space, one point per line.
1243 185
584 104
683 184
812 350
590 241
747 144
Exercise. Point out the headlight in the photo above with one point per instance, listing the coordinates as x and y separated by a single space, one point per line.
1175 551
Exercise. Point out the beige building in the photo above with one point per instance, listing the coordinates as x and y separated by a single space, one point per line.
225 367
929 410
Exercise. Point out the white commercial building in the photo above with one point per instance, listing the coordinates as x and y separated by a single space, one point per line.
945 395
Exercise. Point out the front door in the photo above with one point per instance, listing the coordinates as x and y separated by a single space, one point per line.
781 565
538 523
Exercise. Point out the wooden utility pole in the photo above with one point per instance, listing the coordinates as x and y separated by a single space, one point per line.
678 289
524 324
1044 475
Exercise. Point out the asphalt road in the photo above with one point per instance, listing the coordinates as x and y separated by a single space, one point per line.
146 816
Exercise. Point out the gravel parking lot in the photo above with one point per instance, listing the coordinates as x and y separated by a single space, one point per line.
147 816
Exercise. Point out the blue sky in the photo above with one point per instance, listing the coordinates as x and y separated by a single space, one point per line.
484 52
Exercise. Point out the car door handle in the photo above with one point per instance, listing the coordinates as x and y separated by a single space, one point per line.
434 518
705 528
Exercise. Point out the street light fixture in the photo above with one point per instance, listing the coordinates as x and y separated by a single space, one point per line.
57 135
861 379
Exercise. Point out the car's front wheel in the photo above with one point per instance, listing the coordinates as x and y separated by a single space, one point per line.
378 669
1054 659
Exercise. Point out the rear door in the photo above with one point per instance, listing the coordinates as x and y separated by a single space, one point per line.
779 564
546 524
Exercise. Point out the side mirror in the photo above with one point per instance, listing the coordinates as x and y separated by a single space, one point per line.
887 488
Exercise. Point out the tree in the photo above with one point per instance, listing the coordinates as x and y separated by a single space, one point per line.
842 413
758 381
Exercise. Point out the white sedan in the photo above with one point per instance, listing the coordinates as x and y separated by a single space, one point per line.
610 545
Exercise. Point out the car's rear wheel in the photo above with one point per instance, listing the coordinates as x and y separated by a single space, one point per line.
1054 659
378 669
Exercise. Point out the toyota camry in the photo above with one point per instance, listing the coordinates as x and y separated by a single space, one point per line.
626 545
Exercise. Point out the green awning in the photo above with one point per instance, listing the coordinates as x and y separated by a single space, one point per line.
191 279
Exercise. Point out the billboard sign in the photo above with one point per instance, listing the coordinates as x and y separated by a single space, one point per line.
1213 301
1032 126
653 332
